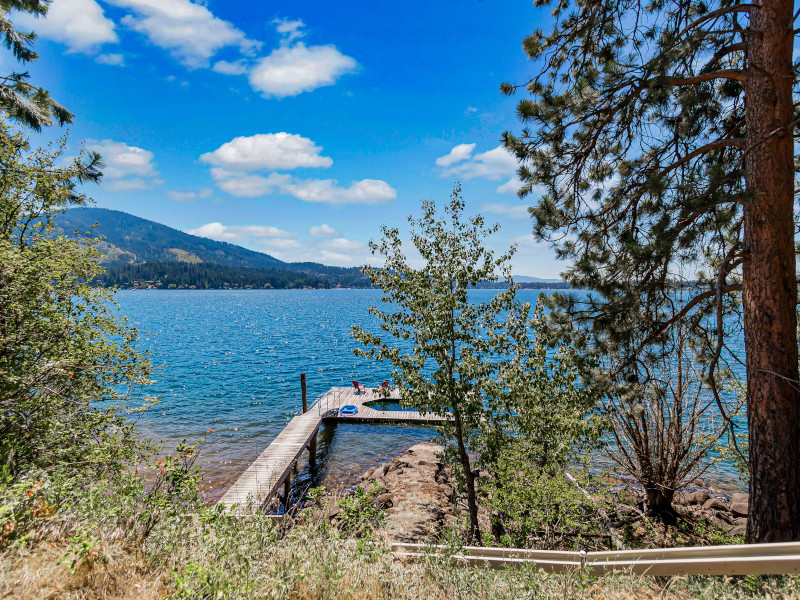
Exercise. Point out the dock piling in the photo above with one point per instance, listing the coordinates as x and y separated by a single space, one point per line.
287 488
303 391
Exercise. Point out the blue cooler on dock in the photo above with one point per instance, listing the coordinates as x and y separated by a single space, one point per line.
348 410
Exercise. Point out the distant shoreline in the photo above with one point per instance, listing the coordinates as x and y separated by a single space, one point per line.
229 289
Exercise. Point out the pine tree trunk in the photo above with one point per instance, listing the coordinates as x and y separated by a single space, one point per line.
769 285
472 502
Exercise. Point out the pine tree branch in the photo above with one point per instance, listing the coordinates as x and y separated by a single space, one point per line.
733 287
720 12
722 52
734 74
715 145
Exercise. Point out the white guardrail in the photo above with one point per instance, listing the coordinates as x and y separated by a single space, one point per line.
750 559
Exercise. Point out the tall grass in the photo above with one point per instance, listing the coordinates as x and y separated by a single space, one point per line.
215 556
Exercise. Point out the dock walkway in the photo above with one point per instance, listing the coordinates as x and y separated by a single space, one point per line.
272 469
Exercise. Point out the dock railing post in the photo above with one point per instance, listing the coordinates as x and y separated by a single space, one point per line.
303 390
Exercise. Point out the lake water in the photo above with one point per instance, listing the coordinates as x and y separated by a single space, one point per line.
232 362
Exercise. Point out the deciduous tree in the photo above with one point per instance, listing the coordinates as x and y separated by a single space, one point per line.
66 359
446 350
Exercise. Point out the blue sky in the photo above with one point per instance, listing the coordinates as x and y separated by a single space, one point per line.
294 128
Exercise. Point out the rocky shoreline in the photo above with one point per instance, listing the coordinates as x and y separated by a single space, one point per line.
414 490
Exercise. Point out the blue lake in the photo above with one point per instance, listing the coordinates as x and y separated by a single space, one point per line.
231 361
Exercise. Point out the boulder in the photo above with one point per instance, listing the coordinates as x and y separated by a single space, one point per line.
384 500
739 504
714 504
691 498
699 498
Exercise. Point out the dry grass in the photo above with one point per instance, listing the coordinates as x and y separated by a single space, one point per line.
38 573
229 558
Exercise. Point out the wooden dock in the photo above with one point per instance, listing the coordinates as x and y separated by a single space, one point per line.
272 469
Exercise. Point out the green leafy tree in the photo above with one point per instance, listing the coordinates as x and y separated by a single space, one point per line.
446 351
544 423
663 136
67 362
20 99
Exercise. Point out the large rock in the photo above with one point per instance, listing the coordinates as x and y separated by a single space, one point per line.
739 527
691 498
739 504
699 498
419 507
714 504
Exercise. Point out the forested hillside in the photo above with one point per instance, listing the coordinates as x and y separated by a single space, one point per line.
137 250
206 276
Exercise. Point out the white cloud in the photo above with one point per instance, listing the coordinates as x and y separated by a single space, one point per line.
289 29
493 165
214 231
510 187
323 230
127 167
267 151
133 185
278 245
262 231
237 67
236 233
457 154
366 191
509 210
340 252
115 60
249 186
187 196
188 30
529 244
292 70
79 24
344 245
236 166
288 246
244 185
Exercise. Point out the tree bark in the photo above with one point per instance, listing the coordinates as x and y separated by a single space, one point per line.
769 283
659 504
472 503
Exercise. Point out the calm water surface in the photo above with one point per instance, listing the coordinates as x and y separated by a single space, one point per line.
231 361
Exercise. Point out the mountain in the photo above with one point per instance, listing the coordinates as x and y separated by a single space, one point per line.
526 279
139 249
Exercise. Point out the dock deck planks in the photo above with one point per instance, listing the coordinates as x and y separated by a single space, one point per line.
263 478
